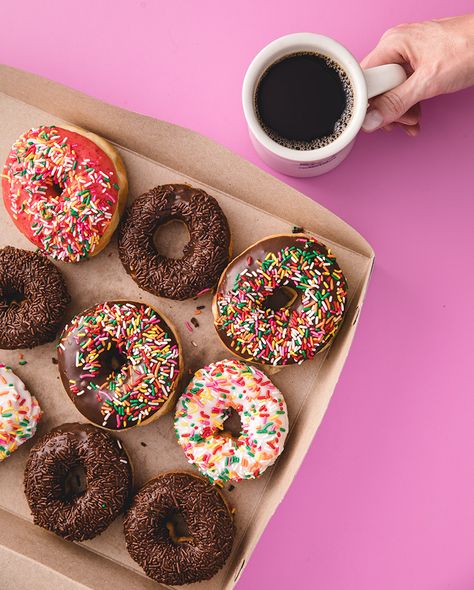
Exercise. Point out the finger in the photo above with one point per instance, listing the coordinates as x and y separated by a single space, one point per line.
412 130
392 105
412 116
382 54
388 50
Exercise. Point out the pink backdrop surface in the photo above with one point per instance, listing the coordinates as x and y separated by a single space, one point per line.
385 497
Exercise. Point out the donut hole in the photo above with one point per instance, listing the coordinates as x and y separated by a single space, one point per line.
177 528
11 295
57 190
112 360
75 482
171 238
280 298
232 424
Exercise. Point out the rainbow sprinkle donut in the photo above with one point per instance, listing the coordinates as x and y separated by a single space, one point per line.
207 402
120 363
281 301
65 189
19 412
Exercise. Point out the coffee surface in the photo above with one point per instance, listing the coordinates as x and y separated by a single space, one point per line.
304 100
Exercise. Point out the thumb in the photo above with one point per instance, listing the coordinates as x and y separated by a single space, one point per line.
391 105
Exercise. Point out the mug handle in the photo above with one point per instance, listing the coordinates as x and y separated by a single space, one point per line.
383 78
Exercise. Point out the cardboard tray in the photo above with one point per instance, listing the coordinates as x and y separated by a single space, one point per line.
256 205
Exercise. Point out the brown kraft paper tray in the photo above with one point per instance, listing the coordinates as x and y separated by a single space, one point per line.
256 205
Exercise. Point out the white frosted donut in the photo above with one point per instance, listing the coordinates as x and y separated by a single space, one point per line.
207 402
19 412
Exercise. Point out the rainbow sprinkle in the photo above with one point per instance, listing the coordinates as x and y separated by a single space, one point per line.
19 412
289 334
207 402
146 379
61 198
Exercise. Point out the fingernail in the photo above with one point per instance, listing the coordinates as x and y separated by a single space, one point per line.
373 120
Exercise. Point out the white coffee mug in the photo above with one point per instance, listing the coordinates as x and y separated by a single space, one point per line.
365 84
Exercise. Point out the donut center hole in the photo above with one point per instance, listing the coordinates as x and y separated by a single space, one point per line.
232 424
177 528
171 238
57 190
280 298
112 360
12 296
75 482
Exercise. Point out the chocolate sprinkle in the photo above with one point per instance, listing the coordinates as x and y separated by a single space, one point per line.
33 299
194 322
108 481
209 523
204 257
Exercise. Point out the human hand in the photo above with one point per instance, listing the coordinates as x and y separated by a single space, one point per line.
438 56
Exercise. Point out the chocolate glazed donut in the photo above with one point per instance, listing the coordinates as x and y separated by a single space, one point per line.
33 299
204 257
154 541
56 499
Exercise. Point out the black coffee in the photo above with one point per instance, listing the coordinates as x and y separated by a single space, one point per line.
304 101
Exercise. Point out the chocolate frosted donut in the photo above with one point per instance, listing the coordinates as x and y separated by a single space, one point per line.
58 499
33 299
120 364
204 257
281 301
166 554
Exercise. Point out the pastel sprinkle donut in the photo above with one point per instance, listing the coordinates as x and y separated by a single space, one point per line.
207 402
19 412
120 363
281 301
65 189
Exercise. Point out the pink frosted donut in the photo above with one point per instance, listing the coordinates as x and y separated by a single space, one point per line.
65 189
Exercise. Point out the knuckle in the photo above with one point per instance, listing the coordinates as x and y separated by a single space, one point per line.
392 103
395 31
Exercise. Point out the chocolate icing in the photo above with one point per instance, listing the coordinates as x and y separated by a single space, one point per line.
204 257
251 259
108 481
210 530
33 299
90 403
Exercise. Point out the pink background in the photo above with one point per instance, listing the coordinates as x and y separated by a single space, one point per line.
385 497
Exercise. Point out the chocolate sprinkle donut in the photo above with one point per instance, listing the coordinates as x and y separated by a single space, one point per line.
33 299
204 257
76 514
152 542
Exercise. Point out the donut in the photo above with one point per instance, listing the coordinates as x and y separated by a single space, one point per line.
200 421
281 301
65 189
120 363
33 299
58 502
204 257
20 412
154 541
